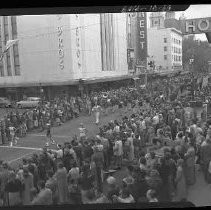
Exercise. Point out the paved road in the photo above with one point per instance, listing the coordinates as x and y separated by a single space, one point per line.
61 134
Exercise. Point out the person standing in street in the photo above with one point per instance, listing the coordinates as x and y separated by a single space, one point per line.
82 132
49 135
97 110
12 135
118 153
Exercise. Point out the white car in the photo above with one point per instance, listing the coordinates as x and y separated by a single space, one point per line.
30 102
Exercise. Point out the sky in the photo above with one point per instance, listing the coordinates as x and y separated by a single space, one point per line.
197 11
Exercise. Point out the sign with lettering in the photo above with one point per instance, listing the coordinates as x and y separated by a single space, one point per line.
141 49
196 26
78 42
60 42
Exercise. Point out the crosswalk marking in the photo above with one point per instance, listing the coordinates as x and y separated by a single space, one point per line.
17 147
55 136
27 148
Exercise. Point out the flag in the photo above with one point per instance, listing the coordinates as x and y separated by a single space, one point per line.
9 44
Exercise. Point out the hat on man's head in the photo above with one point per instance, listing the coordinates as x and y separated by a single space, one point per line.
111 180
128 180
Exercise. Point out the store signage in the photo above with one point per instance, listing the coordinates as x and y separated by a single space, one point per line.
141 38
196 26
60 42
78 42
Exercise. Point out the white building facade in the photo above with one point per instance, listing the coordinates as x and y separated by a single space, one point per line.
62 49
165 47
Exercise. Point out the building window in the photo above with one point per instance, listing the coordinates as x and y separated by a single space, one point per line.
17 70
165 57
5 20
15 49
165 40
14 27
1 70
165 48
16 60
6 38
107 42
9 71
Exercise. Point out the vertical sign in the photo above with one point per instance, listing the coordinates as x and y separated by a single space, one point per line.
60 42
141 39
78 42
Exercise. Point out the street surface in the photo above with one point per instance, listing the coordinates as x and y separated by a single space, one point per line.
199 194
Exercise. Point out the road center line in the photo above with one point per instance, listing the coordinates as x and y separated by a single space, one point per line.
14 160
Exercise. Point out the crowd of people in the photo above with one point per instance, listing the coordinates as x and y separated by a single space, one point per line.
17 123
157 143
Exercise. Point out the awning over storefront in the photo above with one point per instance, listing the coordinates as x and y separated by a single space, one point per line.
69 82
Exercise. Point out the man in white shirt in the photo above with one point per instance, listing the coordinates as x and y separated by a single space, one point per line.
59 152
12 135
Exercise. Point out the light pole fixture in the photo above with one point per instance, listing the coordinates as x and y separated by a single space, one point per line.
9 44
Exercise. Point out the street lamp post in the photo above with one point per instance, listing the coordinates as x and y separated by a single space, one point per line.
9 44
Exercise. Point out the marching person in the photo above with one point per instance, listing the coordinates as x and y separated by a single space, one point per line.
49 136
97 109
12 131
82 132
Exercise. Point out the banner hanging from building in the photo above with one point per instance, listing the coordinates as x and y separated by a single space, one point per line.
141 40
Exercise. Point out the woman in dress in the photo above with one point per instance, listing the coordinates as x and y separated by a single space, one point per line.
97 110
131 148
190 165
61 177
181 190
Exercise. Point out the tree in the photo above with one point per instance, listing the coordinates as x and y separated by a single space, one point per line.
197 50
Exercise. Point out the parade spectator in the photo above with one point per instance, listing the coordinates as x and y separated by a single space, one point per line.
151 196
62 185
28 186
190 165
44 196
205 156
181 191
156 131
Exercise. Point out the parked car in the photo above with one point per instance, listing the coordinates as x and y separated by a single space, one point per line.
5 102
30 102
